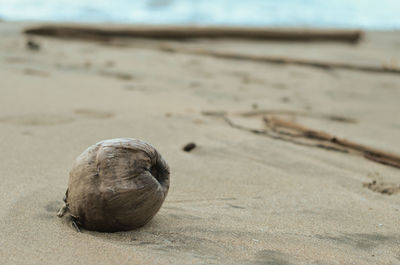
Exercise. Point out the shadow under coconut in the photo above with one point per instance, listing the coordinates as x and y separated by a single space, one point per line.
163 236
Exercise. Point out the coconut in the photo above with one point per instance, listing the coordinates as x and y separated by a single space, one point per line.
116 185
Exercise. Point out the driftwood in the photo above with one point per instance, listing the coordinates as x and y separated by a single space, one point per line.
181 33
187 32
297 130
285 60
288 131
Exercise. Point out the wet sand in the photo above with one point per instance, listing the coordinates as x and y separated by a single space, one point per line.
237 197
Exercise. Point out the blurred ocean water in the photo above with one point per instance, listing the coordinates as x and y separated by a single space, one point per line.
369 14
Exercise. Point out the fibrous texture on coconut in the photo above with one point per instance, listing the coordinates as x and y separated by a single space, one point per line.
116 185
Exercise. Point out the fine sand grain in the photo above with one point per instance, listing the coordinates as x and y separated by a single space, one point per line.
238 197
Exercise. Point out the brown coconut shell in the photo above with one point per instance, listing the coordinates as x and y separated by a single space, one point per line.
116 185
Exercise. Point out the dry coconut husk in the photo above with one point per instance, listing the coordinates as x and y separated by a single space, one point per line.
116 185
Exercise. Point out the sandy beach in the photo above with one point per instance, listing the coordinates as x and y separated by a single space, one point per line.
239 197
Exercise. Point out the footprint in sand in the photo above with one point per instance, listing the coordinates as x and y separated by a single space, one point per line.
94 114
362 241
30 71
278 85
135 88
37 119
273 257
298 74
109 64
118 75
15 60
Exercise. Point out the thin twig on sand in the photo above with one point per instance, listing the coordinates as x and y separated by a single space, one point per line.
289 131
280 126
